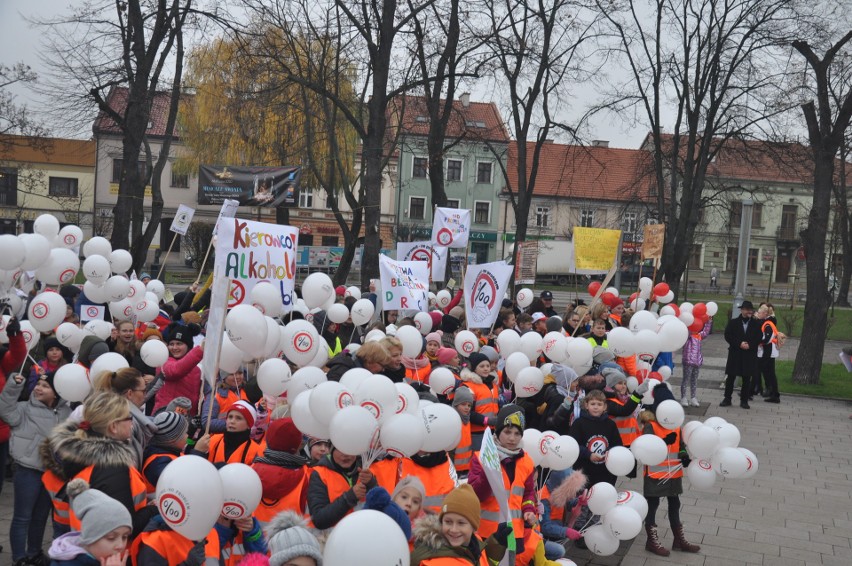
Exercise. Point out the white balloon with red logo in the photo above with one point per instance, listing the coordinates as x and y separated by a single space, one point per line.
60 267
46 311
562 452
528 382
121 310
601 497
406 399
72 383
305 379
190 496
70 236
242 490
273 376
701 474
327 399
378 395
635 501
36 250
137 291
524 298
146 311
423 323
402 435
531 444
751 459
30 334
553 346
442 381
466 343
443 298
300 342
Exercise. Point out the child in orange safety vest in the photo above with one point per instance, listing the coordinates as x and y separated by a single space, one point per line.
235 444
168 443
665 479
463 400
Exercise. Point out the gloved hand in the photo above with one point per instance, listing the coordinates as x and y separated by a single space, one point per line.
568 404
13 328
502 534
642 389
196 555
583 499
670 438
685 460
573 534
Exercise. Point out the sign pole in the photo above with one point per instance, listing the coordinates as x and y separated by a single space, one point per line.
163 265
600 292
203 263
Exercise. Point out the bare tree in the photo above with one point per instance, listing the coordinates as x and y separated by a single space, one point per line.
109 44
827 120
17 124
708 64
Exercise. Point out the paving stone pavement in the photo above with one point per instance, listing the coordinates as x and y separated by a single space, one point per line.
797 510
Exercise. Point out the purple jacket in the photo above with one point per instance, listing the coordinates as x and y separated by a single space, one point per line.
692 349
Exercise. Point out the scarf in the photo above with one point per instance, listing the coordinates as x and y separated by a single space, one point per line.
282 459
465 418
419 362
234 440
432 359
505 453
430 459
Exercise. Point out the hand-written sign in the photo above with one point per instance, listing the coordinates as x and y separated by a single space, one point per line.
405 284
595 248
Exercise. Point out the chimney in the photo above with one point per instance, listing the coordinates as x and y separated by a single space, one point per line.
465 99
600 143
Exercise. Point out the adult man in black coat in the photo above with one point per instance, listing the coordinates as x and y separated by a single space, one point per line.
743 335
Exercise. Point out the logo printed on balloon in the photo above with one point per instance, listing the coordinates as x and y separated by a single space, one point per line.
402 405
373 407
444 237
303 342
597 444
233 509
69 239
27 335
623 497
468 347
40 310
705 465
128 311
67 275
344 399
172 509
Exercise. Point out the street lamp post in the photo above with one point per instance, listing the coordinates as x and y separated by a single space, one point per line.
742 256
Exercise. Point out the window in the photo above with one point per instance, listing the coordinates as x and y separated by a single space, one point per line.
587 218
695 256
732 257
8 186
787 231
329 241
542 217
482 212
454 169
166 236
306 239
116 170
420 168
417 208
453 203
737 214
62 187
306 198
631 222
483 172
180 181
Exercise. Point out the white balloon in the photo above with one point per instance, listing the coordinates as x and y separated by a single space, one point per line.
300 341
273 376
412 340
579 355
70 236
120 261
402 435
317 289
647 345
532 445
304 420
528 382
701 474
247 329
353 292
378 395
751 460
619 460
524 298
375 335
667 310
667 298
730 462
673 335
305 379
69 335
646 284
620 341
643 320
353 429
337 313
72 383
703 442
266 298
712 308
687 430
638 304
111 361
47 225
190 496
362 311
665 372
154 286
117 287
670 414
635 501
516 363
602 497
354 377
30 334
600 540
442 381
562 452
443 298
714 422
242 490
273 339
366 537
632 383
508 342
321 357
686 318
60 267
154 353
443 427
729 435
531 344
686 307
327 399
97 246
650 449
137 290
146 311
466 343
553 346
36 250
407 399
623 522
46 311
96 269
423 323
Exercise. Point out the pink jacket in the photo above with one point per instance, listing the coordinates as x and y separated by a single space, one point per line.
692 349
182 378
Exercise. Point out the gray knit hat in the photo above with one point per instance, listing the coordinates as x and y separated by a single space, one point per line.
613 376
170 427
288 538
490 353
462 395
99 514
602 355
179 403
412 482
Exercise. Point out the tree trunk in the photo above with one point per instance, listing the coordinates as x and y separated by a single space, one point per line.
372 182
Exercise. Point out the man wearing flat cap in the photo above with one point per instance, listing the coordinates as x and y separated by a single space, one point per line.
743 335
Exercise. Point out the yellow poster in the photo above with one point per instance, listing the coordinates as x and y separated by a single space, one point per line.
595 248
652 242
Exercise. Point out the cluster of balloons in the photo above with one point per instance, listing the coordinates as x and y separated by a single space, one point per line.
715 451
621 513
550 450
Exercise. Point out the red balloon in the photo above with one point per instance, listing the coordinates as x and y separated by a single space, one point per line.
632 298
608 299
642 375
699 310
655 375
594 286
661 289
696 326
676 308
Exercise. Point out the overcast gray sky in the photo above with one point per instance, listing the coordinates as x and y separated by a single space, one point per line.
19 41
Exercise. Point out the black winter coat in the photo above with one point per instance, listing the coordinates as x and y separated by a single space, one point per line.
742 362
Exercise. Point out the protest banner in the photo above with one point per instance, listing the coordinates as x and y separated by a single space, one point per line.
405 284
652 241
250 252
92 312
484 287
182 219
595 249
451 228
435 256
252 186
489 457
526 262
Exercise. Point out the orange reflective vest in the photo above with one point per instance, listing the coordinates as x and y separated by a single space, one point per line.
438 482
61 507
336 484
244 454
149 487
484 401
628 427
421 375
464 451
774 328
225 401
628 364
292 501
556 513
524 468
386 472
671 467
454 561
137 490
173 547
233 552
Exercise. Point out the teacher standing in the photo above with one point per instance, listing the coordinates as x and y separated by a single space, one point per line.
743 335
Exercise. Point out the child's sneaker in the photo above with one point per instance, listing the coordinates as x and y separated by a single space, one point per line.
684 401
694 402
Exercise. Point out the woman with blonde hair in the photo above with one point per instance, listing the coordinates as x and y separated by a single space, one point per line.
97 451
125 341
372 356
130 384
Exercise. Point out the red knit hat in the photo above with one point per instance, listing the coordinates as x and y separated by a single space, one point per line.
246 410
282 435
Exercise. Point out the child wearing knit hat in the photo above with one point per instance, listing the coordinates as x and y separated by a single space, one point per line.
485 385
235 445
451 538
433 344
291 542
463 400
168 443
105 527
409 494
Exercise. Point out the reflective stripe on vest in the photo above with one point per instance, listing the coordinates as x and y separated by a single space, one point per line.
149 487
244 454
671 467
628 427
485 401
438 481
556 513
232 554
524 468
464 451
61 508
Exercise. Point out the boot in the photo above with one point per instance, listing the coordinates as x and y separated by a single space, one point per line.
680 542
653 544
